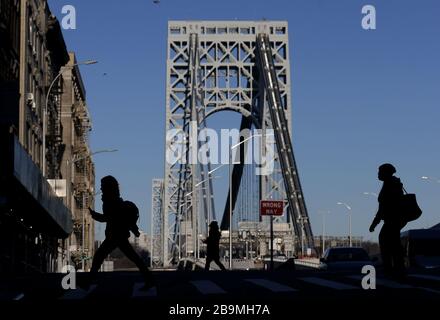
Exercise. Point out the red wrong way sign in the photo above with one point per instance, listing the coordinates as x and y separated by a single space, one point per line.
271 207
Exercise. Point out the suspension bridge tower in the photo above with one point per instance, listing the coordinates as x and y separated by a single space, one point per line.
213 66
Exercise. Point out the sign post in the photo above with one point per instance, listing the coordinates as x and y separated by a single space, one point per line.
271 208
271 243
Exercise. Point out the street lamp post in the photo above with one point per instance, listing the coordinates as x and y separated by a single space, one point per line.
230 203
230 207
230 193
349 220
323 212
84 204
323 234
230 189
430 178
209 190
87 62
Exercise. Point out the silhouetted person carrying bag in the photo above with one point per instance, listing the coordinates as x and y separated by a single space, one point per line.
390 199
121 218
212 246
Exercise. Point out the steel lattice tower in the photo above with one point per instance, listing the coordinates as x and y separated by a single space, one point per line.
214 66
156 255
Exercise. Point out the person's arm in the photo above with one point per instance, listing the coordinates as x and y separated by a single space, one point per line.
98 216
375 222
377 218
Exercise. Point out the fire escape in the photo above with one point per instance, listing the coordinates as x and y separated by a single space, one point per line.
82 168
54 135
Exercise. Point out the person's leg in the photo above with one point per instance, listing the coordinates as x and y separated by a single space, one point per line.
103 251
397 253
208 263
131 254
385 250
218 262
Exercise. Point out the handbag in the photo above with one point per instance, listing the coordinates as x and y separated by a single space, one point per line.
409 207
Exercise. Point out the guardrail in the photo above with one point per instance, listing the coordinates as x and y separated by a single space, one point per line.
311 263
189 264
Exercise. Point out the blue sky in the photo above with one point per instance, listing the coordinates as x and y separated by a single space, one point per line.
359 98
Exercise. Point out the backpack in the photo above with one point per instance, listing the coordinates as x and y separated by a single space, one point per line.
131 214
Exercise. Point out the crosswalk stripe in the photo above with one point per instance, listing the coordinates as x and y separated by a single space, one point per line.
386 283
207 287
429 290
328 283
424 276
19 297
271 285
77 294
137 292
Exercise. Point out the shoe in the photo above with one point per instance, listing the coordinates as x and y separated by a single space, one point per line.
147 286
86 281
149 283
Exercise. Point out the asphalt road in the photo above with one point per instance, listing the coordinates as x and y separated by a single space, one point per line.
233 294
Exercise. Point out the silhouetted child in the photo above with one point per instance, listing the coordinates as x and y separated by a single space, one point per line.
389 211
213 243
121 217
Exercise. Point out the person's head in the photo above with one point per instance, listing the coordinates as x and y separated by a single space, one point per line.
110 186
386 171
213 225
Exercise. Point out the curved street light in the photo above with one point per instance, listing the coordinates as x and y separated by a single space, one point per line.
374 194
323 212
93 153
87 62
198 187
231 147
349 220
434 179
230 191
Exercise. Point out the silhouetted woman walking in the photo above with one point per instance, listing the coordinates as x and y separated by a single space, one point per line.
213 243
119 224
389 211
